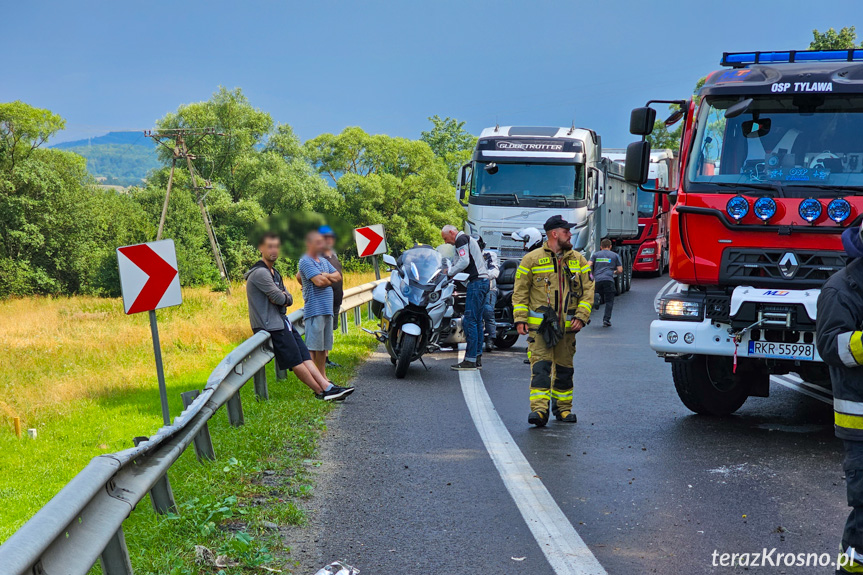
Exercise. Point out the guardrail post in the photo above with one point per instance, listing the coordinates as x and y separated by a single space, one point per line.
344 322
161 495
369 314
261 389
203 443
281 374
115 557
358 317
235 410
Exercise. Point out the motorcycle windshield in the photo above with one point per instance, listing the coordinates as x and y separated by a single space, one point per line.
422 266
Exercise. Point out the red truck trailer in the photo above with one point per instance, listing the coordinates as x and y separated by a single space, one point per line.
771 174
651 253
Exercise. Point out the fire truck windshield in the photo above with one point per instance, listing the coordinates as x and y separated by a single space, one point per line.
527 181
794 145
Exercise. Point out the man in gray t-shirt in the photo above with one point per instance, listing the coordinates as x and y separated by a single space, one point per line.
605 265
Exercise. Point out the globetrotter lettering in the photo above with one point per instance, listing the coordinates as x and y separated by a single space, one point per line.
529 147
802 87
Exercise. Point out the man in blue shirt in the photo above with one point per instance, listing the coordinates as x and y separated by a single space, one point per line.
318 277
605 265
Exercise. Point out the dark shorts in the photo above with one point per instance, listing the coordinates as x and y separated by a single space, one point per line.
289 348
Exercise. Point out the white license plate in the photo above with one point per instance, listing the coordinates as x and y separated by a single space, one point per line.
782 350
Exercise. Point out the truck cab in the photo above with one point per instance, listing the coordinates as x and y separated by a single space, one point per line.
521 176
771 175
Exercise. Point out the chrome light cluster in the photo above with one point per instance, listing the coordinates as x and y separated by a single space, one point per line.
676 307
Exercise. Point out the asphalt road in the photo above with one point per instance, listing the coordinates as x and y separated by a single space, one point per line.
406 485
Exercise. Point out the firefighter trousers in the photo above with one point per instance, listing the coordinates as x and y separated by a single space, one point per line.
852 536
551 374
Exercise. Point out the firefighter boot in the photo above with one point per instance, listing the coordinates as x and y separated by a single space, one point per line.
561 394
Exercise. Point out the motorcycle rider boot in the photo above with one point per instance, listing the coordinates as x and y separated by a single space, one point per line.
538 418
465 365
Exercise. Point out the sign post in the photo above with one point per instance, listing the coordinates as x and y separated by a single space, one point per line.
149 281
371 241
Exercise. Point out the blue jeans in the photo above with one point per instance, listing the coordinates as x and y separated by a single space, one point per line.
488 313
475 301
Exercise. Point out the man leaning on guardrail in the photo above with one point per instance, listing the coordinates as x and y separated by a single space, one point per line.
268 304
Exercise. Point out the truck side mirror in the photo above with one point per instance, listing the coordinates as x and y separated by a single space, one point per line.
641 121
637 162
463 182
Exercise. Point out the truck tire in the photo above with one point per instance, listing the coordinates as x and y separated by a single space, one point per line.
406 354
707 386
628 269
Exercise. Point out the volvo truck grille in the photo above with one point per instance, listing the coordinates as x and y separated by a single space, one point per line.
779 267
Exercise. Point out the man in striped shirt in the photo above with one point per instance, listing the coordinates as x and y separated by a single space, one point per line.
318 277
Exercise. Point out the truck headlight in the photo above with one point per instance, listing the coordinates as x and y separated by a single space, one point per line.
681 308
648 251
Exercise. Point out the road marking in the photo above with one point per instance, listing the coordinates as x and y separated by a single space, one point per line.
804 387
564 549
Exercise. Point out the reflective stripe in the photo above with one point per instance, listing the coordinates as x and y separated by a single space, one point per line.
519 308
541 394
542 269
844 350
561 394
523 269
856 346
848 421
847 406
531 320
585 305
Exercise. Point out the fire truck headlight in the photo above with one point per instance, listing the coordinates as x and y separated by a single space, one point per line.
838 210
764 208
810 209
737 207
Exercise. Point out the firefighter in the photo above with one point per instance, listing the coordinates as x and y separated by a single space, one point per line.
839 339
552 301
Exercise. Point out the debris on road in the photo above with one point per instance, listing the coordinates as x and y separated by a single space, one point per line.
338 568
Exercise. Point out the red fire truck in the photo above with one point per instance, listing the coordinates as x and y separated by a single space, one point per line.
771 174
653 210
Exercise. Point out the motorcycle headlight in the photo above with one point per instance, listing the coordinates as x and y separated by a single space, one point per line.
434 296
406 289
681 309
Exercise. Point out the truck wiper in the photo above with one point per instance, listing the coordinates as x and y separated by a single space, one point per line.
555 196
513 196
780 191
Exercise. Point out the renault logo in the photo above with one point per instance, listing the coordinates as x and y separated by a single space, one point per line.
789 265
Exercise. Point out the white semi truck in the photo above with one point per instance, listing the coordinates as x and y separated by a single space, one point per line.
521 176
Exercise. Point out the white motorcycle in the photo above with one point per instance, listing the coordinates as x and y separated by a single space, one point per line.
416 307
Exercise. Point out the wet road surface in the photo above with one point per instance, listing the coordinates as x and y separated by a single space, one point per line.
406 484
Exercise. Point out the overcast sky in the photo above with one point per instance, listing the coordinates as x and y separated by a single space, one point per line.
386 66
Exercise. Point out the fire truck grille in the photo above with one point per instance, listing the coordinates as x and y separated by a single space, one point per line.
772 268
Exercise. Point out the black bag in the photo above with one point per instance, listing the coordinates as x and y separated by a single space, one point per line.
549 327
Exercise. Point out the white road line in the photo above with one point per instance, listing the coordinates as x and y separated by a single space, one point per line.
798 386
564 549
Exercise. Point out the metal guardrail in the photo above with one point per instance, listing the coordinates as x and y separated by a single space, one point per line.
83 523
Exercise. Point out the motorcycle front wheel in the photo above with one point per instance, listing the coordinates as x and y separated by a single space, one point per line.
406 353
506 341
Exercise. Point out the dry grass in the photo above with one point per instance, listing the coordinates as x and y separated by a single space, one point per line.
60 350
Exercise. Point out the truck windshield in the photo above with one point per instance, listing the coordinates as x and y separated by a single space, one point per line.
791 145
646 200
527 181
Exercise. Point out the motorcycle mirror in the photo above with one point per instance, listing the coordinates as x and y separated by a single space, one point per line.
389 260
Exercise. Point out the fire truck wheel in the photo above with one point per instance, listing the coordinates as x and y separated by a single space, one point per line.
707 386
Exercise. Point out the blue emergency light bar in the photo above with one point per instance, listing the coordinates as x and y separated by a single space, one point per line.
741 59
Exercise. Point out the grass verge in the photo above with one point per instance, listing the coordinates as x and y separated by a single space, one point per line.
81 373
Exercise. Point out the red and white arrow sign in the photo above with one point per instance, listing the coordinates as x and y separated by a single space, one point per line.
371 240
148 276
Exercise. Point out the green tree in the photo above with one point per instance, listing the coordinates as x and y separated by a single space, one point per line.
450 142
846 38
384 180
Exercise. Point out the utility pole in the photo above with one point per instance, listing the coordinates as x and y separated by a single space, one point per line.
180 150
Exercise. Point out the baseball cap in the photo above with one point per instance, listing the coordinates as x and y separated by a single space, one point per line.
555 222
326 231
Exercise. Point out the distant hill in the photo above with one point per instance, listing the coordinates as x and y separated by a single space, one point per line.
117 158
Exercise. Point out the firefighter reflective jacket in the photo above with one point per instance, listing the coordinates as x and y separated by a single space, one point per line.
563 283
840 342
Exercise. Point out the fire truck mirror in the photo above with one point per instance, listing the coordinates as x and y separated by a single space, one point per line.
637 162
674 117
641 121
738 108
